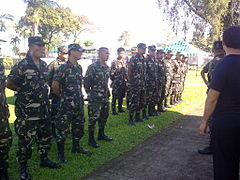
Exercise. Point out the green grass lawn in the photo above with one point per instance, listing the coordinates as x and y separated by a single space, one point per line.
125 137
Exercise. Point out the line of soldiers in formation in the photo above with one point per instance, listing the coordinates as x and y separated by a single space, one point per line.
40 116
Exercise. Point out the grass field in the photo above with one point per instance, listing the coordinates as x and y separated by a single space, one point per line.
125 137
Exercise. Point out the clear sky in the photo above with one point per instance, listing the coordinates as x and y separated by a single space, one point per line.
141 18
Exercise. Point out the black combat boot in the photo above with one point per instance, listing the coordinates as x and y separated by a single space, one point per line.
131 120
76 148
155 112
114 112
137 117
161 108
120 102
150 110
45 162
101 134
61 155
24 172
91 140
144 115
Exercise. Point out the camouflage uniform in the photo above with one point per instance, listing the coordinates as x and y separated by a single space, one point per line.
96 86
71 110
55 100
118 75
161 83
31 107
137 84
183 75
169 76
151 82
5 132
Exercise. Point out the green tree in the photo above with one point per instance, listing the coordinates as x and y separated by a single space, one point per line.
88 43
211 16
15 41
125 37
3 19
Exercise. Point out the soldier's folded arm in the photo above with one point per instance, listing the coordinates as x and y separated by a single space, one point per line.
56 87
15 78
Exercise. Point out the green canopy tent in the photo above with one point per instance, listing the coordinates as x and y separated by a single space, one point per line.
196 56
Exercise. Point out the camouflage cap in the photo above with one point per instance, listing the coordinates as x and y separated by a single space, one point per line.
152 48
36 40
75 47
141 46
63 49
217 45
160 51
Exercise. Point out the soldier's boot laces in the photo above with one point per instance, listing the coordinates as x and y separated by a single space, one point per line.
61 155
131 120
24 172
144 115
102 136
45 162
91 140
137 117
76 148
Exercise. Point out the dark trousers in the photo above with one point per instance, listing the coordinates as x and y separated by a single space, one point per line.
226 151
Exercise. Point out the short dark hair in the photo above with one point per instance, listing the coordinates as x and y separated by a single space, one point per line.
231 37
120 49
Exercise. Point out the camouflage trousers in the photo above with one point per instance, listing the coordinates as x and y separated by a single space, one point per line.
29 131
176 86
119 91
5 139
168 86
151 94
161 93
137 99
70 121
98 112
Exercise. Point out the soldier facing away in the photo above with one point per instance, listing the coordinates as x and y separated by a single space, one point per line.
29 78
54 99
96 87
67 84
5 131
118 75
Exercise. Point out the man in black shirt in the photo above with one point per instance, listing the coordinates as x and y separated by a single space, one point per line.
223 106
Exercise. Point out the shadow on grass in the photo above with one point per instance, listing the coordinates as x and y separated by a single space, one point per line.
125 138
11 100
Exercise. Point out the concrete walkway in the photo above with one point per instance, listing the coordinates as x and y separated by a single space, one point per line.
169 155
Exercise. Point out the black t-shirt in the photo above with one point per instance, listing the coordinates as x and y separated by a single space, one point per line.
226 80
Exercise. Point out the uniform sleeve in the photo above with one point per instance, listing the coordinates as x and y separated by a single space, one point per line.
2 75
88 79
59 75
16 75
131 63
219 77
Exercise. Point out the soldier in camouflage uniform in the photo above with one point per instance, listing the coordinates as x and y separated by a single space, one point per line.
5 131
183 74
118 75
169 76
208 69
54 99
176 79
137 85
67 84
151 80
161 80
96 86
29 78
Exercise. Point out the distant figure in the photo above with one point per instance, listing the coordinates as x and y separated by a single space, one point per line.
223 107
